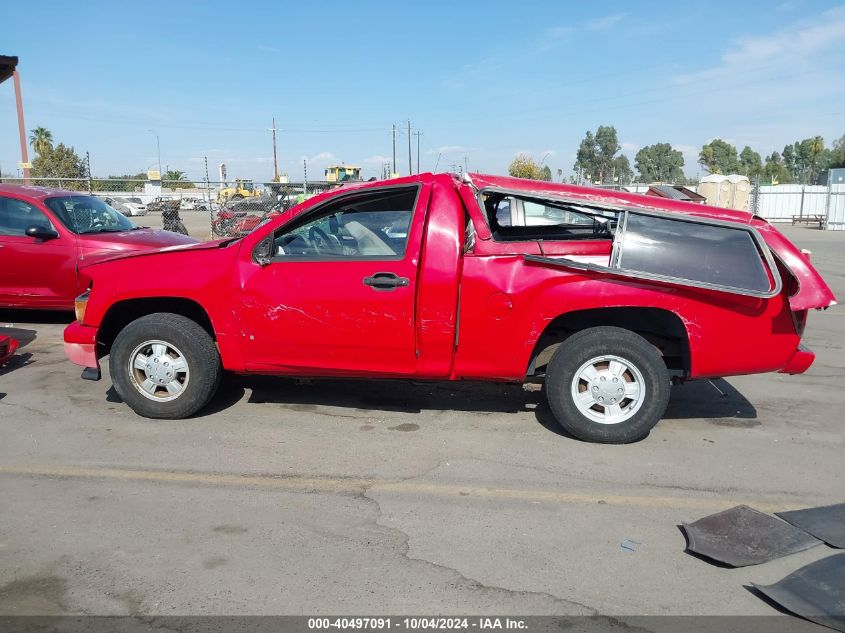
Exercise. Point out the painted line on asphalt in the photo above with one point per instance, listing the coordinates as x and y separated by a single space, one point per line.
342 485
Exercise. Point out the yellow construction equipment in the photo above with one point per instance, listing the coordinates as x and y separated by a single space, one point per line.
241 188
342 173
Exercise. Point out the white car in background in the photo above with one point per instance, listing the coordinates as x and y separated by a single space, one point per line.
127 206
193 204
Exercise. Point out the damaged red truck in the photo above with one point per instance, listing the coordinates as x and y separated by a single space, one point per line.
607 297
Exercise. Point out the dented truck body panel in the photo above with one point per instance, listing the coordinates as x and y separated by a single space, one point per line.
472 307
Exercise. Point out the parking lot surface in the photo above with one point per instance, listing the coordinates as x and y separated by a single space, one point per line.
368 497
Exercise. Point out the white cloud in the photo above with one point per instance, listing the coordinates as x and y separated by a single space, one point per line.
605 22
378 159
777 52
322 157
629 147
690 153
452 149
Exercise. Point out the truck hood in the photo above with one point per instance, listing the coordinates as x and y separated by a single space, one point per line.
99 247
101 256
136 240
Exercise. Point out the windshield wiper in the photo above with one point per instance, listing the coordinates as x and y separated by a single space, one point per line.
104 230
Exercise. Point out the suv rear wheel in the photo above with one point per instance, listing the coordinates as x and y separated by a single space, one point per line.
607 384
165 366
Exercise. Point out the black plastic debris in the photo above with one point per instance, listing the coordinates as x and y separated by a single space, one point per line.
815 592
825 522
743 536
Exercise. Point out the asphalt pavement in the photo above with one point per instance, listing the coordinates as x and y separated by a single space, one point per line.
373 497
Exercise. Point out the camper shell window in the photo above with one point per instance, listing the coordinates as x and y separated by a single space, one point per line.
516 218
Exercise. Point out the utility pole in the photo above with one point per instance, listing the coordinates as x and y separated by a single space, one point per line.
275 161
393 168
410 165
88 169
208 194
466 168
304 175
417 134
21 127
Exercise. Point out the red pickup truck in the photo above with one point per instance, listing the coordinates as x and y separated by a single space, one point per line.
607 297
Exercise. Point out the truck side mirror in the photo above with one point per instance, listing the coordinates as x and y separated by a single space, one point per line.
263 251
41 232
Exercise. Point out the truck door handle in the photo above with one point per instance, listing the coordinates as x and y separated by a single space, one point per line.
385 281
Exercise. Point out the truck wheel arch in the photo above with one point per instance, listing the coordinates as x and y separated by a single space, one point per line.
663 328
121 313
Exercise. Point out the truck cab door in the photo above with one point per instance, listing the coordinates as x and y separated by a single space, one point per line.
337 293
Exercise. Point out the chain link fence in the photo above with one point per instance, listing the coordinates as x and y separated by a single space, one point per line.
205 209
234 208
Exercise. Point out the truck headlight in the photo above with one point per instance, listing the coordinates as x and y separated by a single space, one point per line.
80 303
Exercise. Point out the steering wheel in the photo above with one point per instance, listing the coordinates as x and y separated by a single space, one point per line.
319 237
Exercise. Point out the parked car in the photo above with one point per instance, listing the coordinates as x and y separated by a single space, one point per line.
242 216
426 277
160 203
48 236
126 206
192 204
8 345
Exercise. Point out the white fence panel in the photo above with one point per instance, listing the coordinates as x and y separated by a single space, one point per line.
836 212
779 203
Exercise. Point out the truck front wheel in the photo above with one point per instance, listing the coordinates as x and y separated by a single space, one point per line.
608 385
165 366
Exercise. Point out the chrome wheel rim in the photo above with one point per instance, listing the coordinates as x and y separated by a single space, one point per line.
158 370
608 389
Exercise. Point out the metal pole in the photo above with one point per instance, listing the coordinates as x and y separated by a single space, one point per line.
801 210
410 165
208 196
304 176
275 162
393 165
88 169
829 200
21 126
418 150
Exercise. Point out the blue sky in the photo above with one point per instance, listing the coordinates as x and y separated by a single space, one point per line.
482 81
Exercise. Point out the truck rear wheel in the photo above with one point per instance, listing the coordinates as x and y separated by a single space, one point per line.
165 366
608 385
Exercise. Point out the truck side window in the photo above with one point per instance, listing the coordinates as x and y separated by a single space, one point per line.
515 218
371 225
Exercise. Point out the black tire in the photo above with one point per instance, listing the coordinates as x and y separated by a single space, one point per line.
200 354
594 343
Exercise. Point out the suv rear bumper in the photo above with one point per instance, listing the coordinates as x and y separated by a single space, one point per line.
800 361
81 345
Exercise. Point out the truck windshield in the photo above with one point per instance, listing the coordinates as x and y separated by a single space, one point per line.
88 214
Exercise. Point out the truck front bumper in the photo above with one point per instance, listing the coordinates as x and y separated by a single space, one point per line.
800 361
81 348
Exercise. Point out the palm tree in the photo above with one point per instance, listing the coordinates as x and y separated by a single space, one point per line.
816 148
41 140
175 174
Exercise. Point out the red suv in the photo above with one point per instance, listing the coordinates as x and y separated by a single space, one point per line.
48 235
